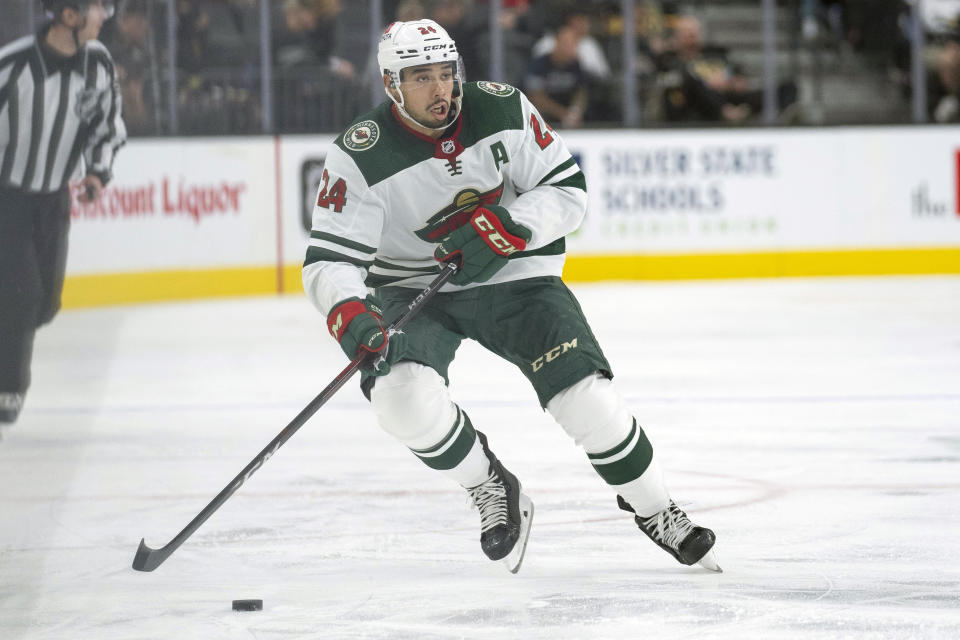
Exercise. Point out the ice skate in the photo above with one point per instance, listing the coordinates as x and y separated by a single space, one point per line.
10 405
673 532
505 513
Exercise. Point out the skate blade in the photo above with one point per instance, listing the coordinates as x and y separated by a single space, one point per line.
709 561
514 559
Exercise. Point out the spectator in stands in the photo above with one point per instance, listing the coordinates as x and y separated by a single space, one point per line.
409 10
309 36
556 83
127 37
466 27
940 17
944 85
941 21
193 24
704 86
315 88
472 33
217 52
515 16
831 12
590 54
592 59
651 26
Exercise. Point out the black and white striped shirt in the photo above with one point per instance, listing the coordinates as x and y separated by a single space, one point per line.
55 110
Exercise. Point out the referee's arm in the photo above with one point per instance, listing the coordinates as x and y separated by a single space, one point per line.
110 133
9 56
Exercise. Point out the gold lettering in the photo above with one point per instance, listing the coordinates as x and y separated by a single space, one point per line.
553 354
501 243
481 223
335 329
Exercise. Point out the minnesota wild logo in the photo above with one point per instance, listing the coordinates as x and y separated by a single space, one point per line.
496 88
456 214
361 136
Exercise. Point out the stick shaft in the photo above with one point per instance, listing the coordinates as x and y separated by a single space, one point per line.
147 559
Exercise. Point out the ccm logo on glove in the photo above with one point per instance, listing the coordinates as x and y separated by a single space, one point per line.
483 246
493 232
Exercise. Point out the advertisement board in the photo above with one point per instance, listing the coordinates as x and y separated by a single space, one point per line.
213 216
180 204
726 191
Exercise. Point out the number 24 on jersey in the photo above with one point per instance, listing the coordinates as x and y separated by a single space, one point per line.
337 196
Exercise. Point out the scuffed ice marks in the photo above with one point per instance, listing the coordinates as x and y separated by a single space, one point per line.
796 418
237 535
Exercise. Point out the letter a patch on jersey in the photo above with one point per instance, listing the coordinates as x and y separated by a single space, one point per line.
499 154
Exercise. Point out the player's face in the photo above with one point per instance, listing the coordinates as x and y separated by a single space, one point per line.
428 93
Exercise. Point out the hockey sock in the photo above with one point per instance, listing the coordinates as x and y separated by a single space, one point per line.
413 405
458 455
647 493
616 445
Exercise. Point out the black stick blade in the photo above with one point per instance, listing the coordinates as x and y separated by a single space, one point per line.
148 559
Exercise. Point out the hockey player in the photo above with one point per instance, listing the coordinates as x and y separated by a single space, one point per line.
447 170
59 112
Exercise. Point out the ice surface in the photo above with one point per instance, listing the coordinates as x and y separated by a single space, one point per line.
814 424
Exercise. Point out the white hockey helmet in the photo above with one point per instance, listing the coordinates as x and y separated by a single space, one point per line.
416 43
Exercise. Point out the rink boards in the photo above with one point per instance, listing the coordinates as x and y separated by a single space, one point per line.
201 217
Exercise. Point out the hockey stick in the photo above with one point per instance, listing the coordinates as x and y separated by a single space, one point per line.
148 559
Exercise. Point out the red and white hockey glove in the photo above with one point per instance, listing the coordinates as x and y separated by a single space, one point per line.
483 244
359 328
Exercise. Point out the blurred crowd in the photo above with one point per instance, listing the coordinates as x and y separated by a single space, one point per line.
566 55
940 24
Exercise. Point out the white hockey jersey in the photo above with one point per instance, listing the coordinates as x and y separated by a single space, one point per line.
388 195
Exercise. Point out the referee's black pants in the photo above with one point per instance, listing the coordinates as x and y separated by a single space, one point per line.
33 260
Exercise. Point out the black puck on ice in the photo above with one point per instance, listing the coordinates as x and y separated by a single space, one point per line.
248 605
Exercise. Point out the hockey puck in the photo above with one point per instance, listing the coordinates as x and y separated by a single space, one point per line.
248 605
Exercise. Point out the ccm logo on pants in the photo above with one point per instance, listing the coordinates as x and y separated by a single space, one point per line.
551 355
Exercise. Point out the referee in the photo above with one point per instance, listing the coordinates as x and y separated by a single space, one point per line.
59 118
